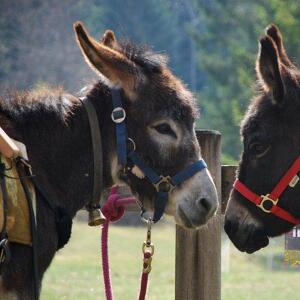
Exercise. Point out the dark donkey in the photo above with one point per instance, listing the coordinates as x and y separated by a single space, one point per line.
54 126
265 200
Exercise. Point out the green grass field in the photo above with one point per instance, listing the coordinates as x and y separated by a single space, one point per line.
259 277
76 271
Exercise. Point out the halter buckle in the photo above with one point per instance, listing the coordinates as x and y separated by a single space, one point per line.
265 201
118 115
164 184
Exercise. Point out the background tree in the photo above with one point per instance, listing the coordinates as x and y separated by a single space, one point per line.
227 48
212 46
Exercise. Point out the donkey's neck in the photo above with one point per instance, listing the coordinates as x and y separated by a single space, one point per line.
100 96
61 152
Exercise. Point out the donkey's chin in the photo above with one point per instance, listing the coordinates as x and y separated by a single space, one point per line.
246 237
253 245
190 221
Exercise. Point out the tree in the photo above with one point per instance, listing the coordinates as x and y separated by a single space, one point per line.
37 40
227 47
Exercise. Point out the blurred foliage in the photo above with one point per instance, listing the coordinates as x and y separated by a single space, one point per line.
38 44
212 46
227 48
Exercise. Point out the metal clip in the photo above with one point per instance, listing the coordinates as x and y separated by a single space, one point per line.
147 265
148 249
267 203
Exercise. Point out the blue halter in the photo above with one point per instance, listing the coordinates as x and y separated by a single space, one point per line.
162 184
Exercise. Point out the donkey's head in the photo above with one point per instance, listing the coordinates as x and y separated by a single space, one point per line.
271 138
160 119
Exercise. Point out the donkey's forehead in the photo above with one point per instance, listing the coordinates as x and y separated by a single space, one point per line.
263 119
161 92
165 96
174 93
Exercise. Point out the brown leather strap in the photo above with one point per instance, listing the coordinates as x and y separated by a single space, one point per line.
3 232
21 168
97 152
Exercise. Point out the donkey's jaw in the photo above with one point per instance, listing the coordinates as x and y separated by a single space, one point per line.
246 236
115 169
196 201
244 229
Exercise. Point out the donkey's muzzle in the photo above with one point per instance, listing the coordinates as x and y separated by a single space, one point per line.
245 237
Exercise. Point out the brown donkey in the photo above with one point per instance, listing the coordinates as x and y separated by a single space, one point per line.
265 200
160 119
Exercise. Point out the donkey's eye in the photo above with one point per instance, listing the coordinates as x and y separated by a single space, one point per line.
258 149
165 128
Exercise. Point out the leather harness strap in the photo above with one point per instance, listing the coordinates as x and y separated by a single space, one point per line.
5 254
97 153
23 170
268 203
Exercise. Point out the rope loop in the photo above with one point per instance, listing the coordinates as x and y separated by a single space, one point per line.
113 209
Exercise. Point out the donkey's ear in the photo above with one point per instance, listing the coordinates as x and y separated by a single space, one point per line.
273 31
268 69
109 40
119 70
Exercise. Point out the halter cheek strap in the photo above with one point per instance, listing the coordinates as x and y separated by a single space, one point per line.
162 184
118 116
268 203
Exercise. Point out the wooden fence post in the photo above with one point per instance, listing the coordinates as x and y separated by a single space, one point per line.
228 176
198 252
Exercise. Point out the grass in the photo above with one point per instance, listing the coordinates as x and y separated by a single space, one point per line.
76 270
260 276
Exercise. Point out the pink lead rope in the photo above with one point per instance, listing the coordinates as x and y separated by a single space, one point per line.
114 209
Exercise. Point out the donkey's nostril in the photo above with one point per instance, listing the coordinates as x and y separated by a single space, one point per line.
204 203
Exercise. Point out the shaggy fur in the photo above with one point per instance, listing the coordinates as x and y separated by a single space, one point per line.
271 137
55 129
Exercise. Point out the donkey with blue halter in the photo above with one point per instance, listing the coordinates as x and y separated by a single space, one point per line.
146 118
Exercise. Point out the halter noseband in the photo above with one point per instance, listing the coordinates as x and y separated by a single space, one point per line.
162 184
268 203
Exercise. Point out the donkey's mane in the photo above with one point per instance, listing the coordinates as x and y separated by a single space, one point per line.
21 105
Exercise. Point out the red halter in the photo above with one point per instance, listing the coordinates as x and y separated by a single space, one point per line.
268 202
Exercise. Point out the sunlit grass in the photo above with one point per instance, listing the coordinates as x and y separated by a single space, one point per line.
76 271
260 276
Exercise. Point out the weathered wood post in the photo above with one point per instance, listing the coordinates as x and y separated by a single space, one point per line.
198 252
228 176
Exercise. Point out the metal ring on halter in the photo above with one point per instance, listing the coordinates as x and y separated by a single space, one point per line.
266 199
132 143
118 115
164 184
